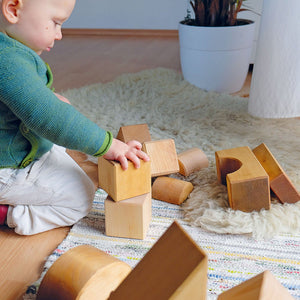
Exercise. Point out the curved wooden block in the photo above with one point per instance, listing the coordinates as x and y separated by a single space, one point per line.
192 160
280 183
83 273
171 190
247 182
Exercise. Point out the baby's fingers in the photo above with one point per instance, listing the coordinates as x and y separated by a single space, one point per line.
135 144
123 161
142 155
134 158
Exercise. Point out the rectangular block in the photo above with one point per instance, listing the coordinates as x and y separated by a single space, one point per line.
139 132
280 183
120 184
129 218
163 157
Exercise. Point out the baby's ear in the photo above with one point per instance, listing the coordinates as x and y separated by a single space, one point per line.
11 10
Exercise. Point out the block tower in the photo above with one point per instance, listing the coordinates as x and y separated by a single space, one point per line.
128 209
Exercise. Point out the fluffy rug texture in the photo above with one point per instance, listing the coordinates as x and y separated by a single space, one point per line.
173 108
239 245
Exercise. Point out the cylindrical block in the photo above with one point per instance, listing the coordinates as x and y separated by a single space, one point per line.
83 273
171 190
192 160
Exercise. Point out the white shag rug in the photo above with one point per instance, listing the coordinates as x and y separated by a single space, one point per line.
175 109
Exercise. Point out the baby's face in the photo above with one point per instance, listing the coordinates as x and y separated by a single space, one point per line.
40 23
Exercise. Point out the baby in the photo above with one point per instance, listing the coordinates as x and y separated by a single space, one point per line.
41 187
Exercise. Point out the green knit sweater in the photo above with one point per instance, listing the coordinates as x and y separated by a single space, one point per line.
32 118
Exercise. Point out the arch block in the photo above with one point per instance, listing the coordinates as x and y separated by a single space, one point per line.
247 181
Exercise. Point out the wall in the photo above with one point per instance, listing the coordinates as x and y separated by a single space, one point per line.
135 14
127 14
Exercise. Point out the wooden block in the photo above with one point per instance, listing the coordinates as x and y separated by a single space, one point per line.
192 160
139 132
247 182
261 287
163 157
280 183
120 184
83 272
171 190
129 218
174 268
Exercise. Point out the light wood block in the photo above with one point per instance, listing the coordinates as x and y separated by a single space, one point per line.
163 157
174 268
280 183
192 160
83 273
264 286
129 218
139 132
120 184
247 182
171 190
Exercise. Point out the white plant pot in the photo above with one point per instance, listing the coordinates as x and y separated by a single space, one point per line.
216 58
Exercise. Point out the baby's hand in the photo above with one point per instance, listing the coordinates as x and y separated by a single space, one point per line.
121 152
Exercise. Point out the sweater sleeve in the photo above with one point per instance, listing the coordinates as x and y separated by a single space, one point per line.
23 89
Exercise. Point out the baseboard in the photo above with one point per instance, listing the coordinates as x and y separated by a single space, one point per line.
120 32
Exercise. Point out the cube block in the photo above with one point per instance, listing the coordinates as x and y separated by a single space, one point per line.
129 218
120 184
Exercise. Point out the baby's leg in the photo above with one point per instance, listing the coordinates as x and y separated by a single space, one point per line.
52 192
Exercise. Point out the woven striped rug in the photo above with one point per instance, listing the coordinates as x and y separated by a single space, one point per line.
231 258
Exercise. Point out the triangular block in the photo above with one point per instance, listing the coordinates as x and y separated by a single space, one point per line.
264 286
174 268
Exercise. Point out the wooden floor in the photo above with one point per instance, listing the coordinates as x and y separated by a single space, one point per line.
78 61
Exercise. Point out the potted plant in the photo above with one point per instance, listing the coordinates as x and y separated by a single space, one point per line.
215 46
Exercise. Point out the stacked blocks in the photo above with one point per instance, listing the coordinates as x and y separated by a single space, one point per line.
128 205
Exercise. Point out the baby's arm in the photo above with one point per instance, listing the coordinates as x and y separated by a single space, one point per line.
121 152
